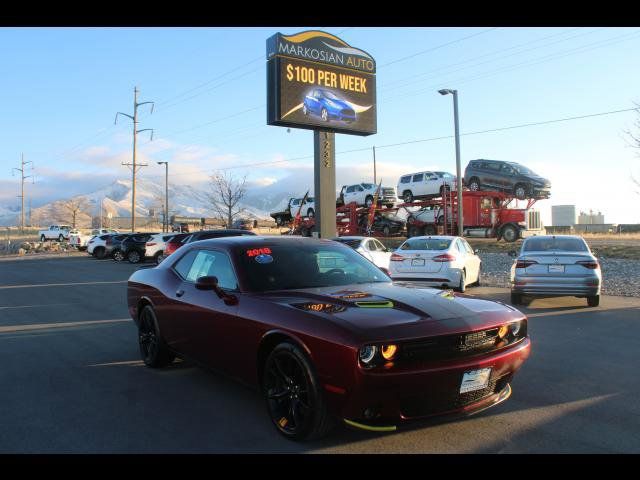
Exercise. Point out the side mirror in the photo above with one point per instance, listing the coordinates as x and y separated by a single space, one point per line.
211 283
207 283
477 251
513 253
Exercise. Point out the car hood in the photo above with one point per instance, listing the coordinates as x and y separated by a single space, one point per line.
382 311
540 180
339 103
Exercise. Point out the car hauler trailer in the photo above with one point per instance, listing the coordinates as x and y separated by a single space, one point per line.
486 214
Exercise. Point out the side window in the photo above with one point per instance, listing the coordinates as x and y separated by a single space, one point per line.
418 177
506 169
467 247
359 188
406 179
493 167
350 189
378 245
213 264
183 265
460 246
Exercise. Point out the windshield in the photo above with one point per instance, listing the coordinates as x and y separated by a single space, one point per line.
554 244
426 244
300 265
329 95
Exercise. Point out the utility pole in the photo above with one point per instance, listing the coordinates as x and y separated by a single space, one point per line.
374 165
133 165
166 196
23 177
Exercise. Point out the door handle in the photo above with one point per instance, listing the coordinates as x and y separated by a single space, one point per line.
179 293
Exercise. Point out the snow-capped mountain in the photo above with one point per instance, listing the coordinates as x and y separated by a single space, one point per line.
184 200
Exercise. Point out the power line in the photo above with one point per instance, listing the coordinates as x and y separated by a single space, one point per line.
422 140
436 47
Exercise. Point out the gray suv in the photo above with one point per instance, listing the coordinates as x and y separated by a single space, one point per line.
509 177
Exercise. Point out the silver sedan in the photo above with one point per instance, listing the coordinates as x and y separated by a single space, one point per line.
556 265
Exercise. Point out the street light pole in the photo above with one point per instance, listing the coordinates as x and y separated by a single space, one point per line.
166 196
458 167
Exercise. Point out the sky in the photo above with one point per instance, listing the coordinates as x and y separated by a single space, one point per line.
63 87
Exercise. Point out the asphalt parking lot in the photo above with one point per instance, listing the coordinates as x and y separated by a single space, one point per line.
72 381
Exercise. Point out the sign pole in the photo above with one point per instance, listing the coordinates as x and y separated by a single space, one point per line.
324 182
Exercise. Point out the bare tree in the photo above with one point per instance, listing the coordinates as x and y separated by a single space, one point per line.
226 193
76 206
634 142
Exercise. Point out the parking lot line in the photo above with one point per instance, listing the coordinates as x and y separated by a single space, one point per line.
6 287
44 326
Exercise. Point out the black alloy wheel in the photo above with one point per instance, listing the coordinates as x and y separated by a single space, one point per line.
407 196
153 349
521 191
134 256
293 395
474 184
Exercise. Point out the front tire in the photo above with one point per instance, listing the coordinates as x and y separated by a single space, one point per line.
510 233
153 349
43 238
474 184
368 201
593 300
521 191
293 394
60 238
311 213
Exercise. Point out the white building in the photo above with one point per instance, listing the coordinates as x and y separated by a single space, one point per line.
563 215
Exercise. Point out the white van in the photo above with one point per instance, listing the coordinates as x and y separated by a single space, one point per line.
424 185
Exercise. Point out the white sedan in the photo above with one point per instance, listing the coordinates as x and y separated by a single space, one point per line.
370 248
436 260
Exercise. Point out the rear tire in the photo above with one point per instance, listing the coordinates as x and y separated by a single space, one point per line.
153 349
516 298
158 258
311 213
99 253
42 238
593 300
60 238
368 201
118 255
407 196
463 278
521 191
292 393
134 256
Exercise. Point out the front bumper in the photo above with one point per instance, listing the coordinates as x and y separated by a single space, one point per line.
404 396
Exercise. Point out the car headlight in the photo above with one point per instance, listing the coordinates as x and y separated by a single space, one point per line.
515 327
368 353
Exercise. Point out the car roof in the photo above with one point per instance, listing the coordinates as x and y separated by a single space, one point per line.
350 237
253 240
555 236
436 237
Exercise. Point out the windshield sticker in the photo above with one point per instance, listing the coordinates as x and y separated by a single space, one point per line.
263 258
254 252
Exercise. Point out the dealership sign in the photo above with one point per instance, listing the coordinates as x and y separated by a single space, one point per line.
317 81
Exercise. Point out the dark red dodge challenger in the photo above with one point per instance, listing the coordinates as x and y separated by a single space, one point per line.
325 334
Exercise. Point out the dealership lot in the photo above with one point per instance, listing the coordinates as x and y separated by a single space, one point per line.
72 380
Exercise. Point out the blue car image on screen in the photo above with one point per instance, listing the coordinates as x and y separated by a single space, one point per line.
327 106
